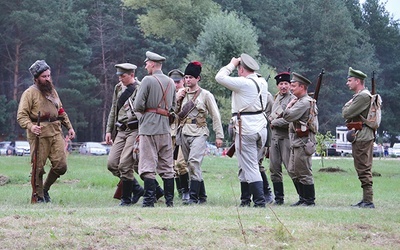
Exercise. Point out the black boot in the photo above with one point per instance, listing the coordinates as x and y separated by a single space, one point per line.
185 187
169 192
267 190
126 198
149 192
159 191
193 193
279 194
257 190
202 193
245 197
46 196
300 192
137 191
178 186
309 195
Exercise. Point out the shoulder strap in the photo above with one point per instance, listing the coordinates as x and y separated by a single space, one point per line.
164 94
259 95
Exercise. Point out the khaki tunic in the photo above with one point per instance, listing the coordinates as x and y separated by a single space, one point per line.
300 163
121 162
280 145
363 146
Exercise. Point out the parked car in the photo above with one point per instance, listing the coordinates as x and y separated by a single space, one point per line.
395 150
106 146
3 147
92 148
20 148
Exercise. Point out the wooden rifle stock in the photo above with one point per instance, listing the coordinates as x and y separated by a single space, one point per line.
373 86
118 191
34 197
318 87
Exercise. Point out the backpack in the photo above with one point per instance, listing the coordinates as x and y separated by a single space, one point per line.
374 116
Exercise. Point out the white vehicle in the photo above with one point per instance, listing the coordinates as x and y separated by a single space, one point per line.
20 148
92 148
396 149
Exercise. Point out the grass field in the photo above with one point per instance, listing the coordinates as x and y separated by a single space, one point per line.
83 214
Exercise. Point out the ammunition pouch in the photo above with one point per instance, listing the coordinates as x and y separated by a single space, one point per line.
302 133
189 106
309 148
132 125
354 125
351 135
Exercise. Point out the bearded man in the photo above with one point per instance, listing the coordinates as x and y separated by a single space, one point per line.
42 97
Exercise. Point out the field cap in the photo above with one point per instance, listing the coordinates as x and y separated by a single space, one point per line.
151 56
299 78
249 62
356 73
282 77
123 68
176 75
38 68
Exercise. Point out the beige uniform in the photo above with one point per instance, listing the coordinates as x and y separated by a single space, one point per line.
51 139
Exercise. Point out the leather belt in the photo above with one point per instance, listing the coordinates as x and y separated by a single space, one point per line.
247 113
159 111
47 119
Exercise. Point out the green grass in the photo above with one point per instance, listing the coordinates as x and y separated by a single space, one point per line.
83 214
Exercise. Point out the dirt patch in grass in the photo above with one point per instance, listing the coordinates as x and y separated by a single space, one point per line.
4 180
331 170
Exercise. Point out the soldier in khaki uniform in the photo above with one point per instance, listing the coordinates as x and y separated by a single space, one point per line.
155 100
362 146
180 165
194 105
280 146
123 121
302 113
42 96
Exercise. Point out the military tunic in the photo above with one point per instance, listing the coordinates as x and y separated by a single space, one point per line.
154 129
194 131
300 163
362 147
246 98
51 139
121 162
280 145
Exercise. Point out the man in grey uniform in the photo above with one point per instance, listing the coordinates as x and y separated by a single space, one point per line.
155 100
249 98
123 121
280 146
301 112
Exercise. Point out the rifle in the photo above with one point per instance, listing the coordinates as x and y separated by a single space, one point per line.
319 82
34 197
118 191
373 87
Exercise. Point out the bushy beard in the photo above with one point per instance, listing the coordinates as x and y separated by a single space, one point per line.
46 86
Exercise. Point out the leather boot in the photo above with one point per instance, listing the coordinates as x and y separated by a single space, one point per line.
159 191
309 195
126 198
193 193
137 191
51 178
279 194
185 187
245 197
299 189
202 193
257 190
178 186
149 196
267 190
169 192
